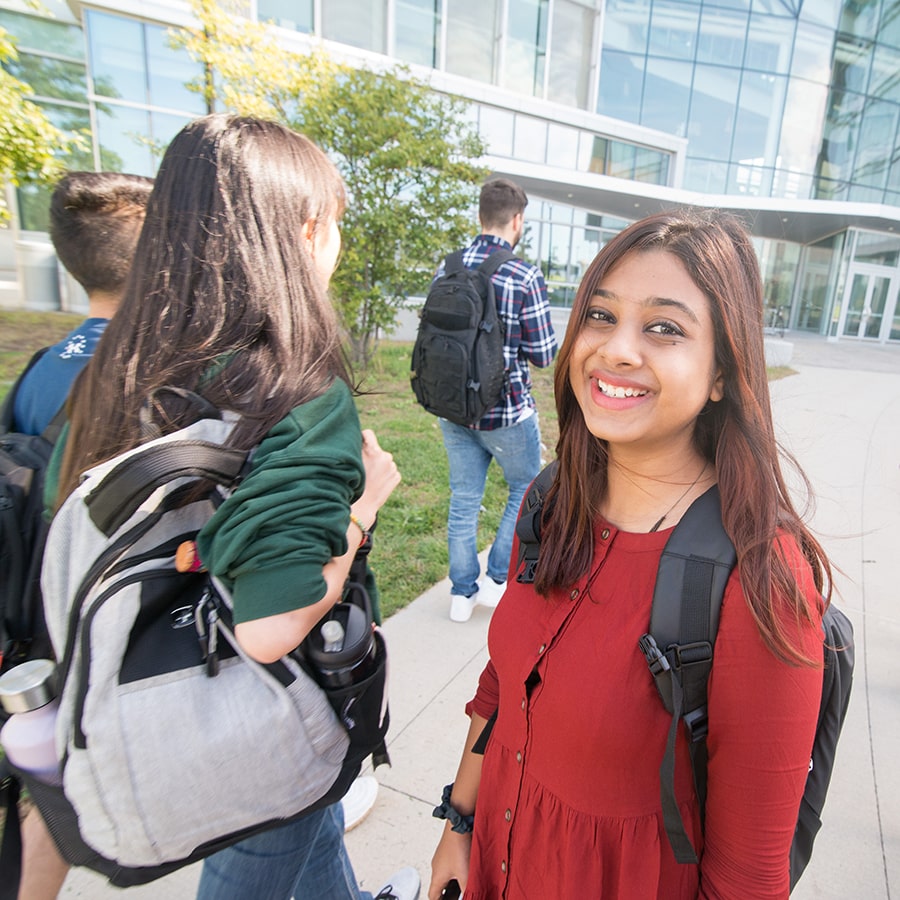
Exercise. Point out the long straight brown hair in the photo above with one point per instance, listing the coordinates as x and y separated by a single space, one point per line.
735 434
222 298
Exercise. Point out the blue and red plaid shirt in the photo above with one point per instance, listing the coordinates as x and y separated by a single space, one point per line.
525 311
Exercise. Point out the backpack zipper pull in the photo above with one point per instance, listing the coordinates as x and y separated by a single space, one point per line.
212 653
200 624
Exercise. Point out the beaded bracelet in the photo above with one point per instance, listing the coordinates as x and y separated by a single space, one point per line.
366 532
458 822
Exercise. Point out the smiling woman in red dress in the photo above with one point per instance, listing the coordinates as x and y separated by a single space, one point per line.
661 392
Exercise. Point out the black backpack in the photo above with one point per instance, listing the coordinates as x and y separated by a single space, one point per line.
690 582
23 530
458 369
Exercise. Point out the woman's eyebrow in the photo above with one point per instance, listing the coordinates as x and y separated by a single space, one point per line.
652 301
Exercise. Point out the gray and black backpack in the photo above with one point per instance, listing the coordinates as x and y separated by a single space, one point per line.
172 742
458 368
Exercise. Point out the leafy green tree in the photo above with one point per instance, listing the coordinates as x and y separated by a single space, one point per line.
407 155
31 148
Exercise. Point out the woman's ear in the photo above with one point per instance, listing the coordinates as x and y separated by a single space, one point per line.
308 233
717 391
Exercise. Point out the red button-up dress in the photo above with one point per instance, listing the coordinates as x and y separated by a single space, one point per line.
569 802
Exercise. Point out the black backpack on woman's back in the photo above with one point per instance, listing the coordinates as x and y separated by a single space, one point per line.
690 583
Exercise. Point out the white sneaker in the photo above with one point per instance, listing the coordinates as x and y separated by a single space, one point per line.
404 884
461 607
359 800
489 592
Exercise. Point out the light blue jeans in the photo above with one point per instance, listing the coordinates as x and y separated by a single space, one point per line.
517 450
305 859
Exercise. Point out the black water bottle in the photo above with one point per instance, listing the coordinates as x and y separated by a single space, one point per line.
341 647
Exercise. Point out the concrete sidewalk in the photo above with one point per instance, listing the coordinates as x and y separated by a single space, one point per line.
840 416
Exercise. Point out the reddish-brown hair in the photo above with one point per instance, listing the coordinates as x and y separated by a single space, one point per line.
735 434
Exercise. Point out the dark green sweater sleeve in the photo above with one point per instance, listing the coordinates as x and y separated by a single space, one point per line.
269 541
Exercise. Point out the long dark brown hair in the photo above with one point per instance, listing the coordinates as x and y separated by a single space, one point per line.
735 434
223 297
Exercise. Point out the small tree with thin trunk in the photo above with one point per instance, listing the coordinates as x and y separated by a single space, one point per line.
407 155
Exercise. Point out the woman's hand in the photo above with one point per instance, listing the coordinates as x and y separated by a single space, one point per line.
450 861
382 476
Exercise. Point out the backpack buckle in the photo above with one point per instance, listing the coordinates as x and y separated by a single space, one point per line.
697 723
654 656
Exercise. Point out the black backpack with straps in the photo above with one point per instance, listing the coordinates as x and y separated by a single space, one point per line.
23 530
458 368
690 583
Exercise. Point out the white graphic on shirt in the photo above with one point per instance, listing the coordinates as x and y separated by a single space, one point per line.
74 346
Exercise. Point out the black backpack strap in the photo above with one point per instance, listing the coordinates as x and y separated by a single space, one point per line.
130 483
693 571
528 525
11 846
7 416
494 260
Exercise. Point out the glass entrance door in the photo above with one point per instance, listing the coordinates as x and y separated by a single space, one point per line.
869 306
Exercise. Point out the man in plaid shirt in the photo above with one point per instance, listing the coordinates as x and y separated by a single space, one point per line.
509 432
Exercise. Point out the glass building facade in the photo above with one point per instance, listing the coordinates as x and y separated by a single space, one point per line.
602 109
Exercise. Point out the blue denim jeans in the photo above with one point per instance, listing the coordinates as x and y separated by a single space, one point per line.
305 859
517 450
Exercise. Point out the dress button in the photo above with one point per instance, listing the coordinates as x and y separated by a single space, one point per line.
574 594
508 815
503 866
542 648
604 534
518 756
524 703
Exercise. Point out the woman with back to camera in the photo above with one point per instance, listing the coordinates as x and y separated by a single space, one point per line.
228 298
661 393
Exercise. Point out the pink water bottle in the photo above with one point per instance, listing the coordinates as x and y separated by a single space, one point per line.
28 694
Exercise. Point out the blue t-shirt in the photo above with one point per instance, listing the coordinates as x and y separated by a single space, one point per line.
45 388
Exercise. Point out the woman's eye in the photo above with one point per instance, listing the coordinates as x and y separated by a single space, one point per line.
599 315
666 329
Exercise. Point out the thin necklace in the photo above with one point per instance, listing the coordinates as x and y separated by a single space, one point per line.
662 518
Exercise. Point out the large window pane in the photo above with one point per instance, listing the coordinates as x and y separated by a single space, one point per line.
52 78
889 30
294 14
877 138
852 62
885 82
705 175
840 139
621 86
570 53
769 43
471 27
667 96
626 27
860 17
526 46
650 166
808 60
417 32
802 124
723 36
169 72
673 29
758 119
359 23
125 140
822 12
530 139
562 146
43 35
117 56
496 128
713 106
